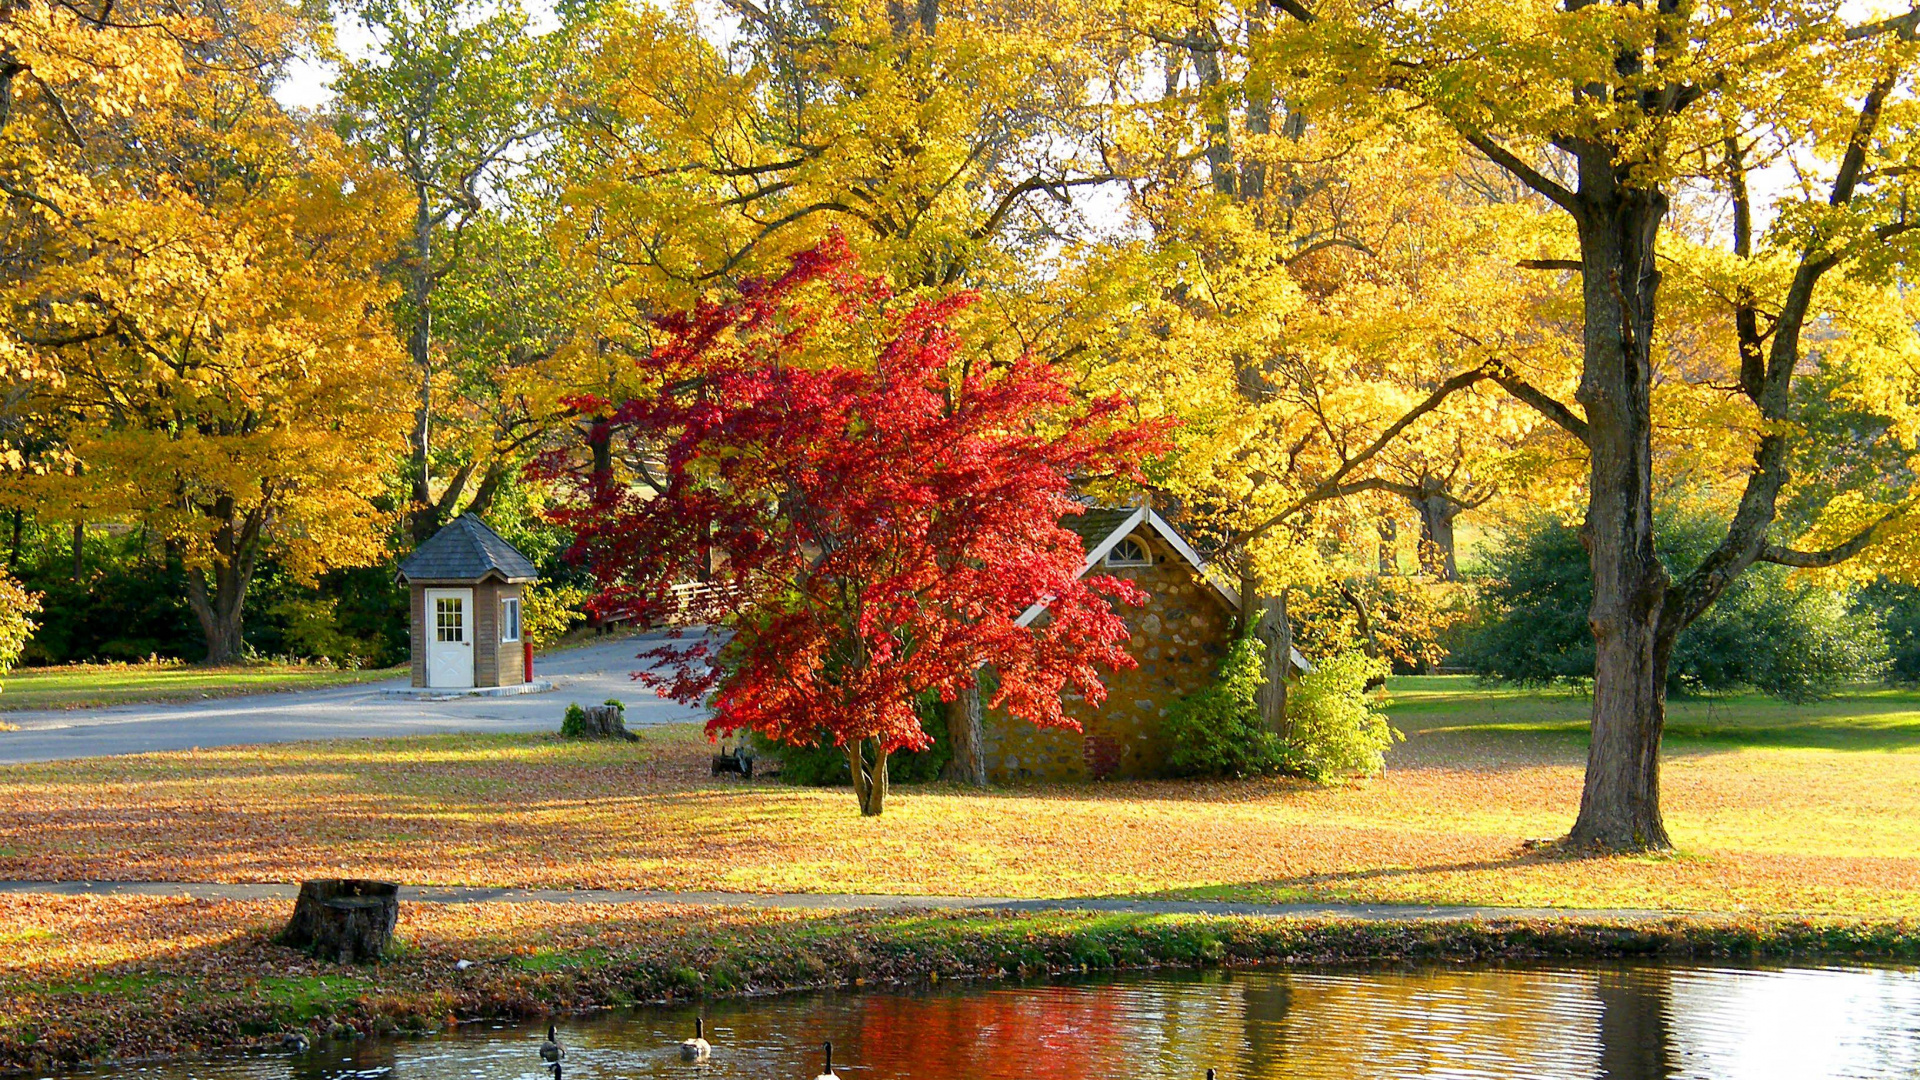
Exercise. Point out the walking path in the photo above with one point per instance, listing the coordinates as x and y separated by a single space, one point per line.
449 894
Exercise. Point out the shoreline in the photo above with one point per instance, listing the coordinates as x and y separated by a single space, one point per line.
246 993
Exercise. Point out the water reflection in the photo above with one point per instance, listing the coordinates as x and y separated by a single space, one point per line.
1612 1022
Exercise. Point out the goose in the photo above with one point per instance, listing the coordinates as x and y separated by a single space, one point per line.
696 1048
551 1051
827 1073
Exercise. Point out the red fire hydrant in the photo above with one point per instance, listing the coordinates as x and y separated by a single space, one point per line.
528 647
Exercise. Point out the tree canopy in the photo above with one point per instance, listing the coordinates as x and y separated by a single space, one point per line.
871 530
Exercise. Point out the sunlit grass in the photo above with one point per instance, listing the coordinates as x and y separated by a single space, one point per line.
76 686
1774 808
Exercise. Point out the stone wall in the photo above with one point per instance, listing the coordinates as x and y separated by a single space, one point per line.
1178 638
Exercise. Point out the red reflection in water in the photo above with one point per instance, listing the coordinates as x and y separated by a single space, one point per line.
1050 1033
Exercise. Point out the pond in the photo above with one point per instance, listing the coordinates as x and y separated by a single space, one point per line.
1622 1021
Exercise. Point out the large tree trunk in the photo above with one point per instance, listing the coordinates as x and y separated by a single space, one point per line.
217 592
966 735
217 606
869 775
1620 806
1436 536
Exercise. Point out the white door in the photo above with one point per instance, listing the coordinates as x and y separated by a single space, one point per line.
450 637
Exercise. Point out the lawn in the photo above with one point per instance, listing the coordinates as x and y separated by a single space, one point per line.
1774 808
75 686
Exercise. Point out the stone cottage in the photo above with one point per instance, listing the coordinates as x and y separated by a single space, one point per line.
1178 638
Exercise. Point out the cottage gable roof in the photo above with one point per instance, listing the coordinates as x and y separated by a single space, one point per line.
467 550
1102 528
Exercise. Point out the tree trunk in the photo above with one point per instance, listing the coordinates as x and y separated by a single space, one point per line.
13 546
490 481
1436 536
966 735
1389 535
1620 805
1275 630
425 515
217 593
869 777
345 920
218 609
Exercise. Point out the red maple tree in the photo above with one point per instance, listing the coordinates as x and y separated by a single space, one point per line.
881 521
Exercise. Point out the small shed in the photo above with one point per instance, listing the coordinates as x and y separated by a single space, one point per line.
466 584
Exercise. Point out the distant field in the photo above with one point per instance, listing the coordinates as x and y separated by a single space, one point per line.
76 686
1774 808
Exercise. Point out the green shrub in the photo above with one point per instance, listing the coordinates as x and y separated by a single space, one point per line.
1334 725
1770 631
573 724
1217 731
17 608
1896 607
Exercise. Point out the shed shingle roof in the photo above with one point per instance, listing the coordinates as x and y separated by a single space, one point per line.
466 550
1096 523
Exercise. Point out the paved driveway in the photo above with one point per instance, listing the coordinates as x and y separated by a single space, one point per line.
588 674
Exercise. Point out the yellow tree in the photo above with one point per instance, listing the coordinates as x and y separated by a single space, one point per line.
947 140
190 294
455 97
1798 119
1326 297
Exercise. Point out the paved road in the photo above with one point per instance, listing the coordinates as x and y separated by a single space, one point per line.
438 894
588 674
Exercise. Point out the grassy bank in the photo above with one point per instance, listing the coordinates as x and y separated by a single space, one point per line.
76 686
1775 809
94 978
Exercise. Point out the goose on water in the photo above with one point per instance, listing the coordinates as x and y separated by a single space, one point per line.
827 1073
551 1051
696 1048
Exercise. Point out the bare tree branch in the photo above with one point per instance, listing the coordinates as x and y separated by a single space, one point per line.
1336 484
1527 174
1818 560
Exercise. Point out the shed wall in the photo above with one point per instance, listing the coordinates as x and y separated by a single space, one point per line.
418 615
1178 639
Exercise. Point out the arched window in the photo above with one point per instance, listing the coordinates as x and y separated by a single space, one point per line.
1129 552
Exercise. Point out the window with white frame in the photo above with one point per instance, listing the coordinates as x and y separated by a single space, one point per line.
1129 552
449 619
509 618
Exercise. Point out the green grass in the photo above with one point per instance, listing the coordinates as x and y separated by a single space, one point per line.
1774 808
1861 719
77 686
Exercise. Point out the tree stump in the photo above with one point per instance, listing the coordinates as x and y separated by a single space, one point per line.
348 920
607 722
